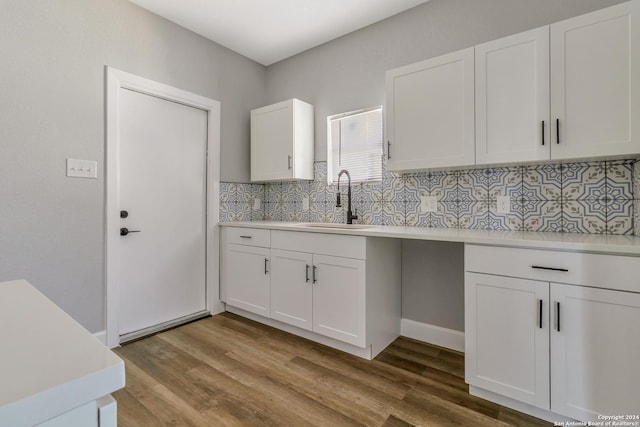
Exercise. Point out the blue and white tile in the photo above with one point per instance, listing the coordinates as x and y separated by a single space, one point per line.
274 192
393 213
320 171
473 184
636 180
437 180
386 173
512 221
445 187
235 211
472 213
393 189
258 191
542 182
584 216
505 182
292 192
619 180
620 217
365 212
636 217
542 215
257 214
292 212
273 212
446 216
317 211
412 190
366 191
580 179
226 192
413 216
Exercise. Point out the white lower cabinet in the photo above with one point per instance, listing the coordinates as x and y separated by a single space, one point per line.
507 337
247 268
594 352
567 348
342 291
292 288
339 298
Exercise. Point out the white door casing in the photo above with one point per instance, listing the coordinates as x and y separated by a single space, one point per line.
119 83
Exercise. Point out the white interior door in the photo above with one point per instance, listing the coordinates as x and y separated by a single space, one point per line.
162 187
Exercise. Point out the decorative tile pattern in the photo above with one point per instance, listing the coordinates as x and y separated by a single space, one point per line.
588 197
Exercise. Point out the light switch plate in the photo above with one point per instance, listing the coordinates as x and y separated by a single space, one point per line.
428 204
82 168
256 203
504 205
305 203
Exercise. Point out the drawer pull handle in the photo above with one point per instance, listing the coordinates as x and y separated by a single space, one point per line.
307 274
557 131
246 237
540 313
558 316
540 267
265 266
543 132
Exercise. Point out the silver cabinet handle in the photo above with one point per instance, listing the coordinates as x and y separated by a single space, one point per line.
289 162
307 274
246 237
265 266
315 276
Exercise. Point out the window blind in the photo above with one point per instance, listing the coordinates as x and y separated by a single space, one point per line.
356 145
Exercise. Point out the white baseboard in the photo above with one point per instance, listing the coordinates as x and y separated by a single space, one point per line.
432 334
102 336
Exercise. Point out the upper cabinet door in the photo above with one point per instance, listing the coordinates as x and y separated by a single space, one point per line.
430 113
512 98
282 141
594 85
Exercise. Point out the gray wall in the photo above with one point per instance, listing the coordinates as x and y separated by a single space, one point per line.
433 283
348 73
52 58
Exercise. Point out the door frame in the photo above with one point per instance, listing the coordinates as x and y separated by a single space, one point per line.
115 81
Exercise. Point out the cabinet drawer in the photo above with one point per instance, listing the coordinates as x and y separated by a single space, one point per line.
597 270
249 236
320 243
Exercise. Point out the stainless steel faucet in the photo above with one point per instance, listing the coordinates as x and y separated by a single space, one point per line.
350 216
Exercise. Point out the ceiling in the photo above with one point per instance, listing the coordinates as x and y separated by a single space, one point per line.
268 31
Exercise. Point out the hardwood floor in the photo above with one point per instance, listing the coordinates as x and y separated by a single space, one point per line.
229 371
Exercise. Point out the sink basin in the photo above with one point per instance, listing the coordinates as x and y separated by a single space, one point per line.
336 226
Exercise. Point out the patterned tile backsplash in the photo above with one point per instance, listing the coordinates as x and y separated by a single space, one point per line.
601 197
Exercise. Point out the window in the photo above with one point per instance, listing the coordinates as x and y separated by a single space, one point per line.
354 143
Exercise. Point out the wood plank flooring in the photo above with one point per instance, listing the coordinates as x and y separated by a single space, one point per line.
229 371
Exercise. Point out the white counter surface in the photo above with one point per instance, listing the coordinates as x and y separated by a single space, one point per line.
600 243
49 364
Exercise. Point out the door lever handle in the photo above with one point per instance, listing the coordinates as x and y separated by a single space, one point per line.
124 231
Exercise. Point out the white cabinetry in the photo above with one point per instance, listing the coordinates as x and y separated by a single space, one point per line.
594 354
531 315
430 113
292 288
245 270
594 84
282 141
342 291
512 98
507 339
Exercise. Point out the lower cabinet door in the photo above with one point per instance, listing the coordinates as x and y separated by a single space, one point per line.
595 352
247 278
339 298
507 337
291 288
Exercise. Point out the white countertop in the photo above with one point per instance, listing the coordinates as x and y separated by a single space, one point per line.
600 243
49 364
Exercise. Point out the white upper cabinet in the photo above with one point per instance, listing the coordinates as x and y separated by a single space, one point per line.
282 141
512 98
430 113
594 85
